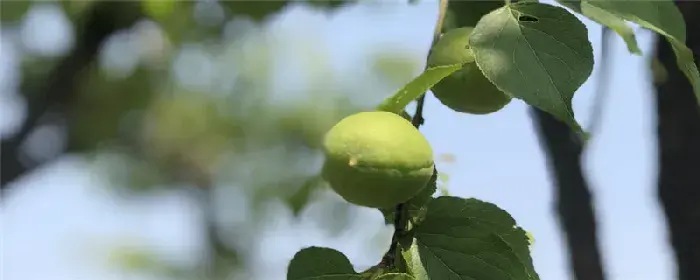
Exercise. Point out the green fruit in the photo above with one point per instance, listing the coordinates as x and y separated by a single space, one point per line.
468 13
467 90
376 159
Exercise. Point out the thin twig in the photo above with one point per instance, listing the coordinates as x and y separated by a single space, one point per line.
442 11
418 119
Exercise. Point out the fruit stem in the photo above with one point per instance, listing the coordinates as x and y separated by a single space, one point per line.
442 11
400 217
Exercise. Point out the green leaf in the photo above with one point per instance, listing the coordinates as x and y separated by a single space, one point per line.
661 16
417 87
412 261
664 18
395 276
610 20
530 238
318 263
685 61
471 239
536 52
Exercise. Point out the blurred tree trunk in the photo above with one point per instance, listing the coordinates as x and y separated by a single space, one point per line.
678 121
573 197
222 259
55 94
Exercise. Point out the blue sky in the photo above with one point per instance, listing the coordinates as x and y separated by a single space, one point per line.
60 214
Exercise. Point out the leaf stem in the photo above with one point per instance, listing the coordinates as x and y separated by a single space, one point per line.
442 11
400 217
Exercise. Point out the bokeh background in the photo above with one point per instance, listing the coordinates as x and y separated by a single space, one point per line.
192 142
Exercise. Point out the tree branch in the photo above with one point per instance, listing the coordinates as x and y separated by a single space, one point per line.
601 91
58 91
573 197
678 132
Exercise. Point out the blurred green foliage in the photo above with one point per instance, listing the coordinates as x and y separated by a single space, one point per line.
148 128
103 103
13 11
257 10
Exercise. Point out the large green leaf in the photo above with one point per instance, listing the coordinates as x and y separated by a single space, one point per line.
415 88
536 52
318 263
470 239
664 18
607 19
661 16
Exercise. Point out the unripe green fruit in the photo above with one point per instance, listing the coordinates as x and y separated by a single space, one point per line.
467 90
376 159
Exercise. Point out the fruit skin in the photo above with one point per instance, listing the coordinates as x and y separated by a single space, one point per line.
376 159
467 90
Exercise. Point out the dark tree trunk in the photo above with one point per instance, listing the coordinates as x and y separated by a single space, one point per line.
573 198
678 121
57 92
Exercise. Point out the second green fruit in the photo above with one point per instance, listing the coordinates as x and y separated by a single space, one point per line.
467 90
